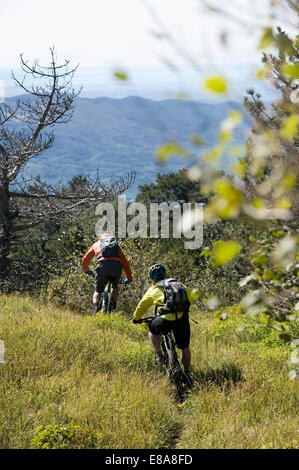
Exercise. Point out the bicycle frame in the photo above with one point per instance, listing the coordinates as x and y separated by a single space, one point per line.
173 367
106 296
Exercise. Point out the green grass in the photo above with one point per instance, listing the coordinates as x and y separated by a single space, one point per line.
96 379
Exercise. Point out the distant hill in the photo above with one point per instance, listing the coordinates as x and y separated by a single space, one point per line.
119 135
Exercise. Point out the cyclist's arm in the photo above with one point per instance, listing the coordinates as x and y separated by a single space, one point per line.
125 264
87 258
145 303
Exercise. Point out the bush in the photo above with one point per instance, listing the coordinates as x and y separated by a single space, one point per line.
73 288
64 437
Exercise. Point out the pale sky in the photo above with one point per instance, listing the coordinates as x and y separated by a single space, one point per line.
117 32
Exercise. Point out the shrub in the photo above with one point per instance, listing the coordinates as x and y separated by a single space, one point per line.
64 437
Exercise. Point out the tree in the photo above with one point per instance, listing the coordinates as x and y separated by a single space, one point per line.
26 131
275 130
264 190
263 186
171 187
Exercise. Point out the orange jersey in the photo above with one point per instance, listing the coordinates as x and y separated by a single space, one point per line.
95 250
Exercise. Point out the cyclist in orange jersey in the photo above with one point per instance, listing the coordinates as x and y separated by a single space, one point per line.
110 262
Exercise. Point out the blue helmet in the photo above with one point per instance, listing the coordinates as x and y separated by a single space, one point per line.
157 272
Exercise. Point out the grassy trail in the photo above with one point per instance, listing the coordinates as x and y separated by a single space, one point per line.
99 374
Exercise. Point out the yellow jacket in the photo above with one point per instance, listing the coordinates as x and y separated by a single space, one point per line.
155 296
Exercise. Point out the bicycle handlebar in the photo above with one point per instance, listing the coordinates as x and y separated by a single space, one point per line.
146 320
122 281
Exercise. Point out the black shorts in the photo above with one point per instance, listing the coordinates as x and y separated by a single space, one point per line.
180 328
107 270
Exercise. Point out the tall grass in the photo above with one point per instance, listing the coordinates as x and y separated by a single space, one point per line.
98 373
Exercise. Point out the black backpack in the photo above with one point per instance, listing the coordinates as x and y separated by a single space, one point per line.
109 247
175 297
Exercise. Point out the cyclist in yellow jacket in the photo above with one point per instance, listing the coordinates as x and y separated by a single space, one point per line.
162 323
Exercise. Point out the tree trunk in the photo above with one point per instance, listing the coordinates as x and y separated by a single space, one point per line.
5 232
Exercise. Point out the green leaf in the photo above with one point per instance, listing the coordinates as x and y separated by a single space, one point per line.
268 274
267 39
258 203
195 294
261 260
215 153
121 75
170 149
235 116
284 203
216 84
292 70
289 180
224 252
260 73
265 318
228 199
206 252
289 128
277 234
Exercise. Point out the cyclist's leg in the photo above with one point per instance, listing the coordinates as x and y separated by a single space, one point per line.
96 301
114 270
96 297
114 297
186 359
157 327
156 341
100 286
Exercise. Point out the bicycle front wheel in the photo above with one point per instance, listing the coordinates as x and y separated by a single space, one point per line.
173 366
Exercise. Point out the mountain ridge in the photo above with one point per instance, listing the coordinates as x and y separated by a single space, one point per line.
120 135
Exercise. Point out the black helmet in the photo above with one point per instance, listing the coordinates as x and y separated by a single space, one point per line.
157 272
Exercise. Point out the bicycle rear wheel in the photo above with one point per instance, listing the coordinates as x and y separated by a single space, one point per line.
105 298
111 301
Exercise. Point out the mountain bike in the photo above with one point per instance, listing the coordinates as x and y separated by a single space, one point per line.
105 303
174 371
